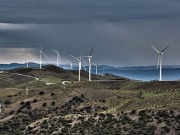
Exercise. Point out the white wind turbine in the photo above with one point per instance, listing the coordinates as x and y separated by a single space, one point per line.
84 68
41 53
89 57
71 64
160 53
58 56
96 67
79 59
28 56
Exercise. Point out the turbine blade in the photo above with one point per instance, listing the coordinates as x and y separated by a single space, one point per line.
75 58
84 67
54 51
94 64
41 47
61 49
44 55
68 61
29 55
165 49
83 60
155 49
91 50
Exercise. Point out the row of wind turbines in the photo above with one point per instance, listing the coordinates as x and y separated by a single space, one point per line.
58 59
80 60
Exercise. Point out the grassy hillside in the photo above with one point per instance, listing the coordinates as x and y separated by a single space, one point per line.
118 106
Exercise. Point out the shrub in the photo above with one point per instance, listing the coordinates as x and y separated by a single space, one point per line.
64 130
27 103
102 115
11 112
19 111
166 129
133 112
41 93
35 100
171 112
44 104
142 113
53 103
52 94
29 107
7 102
22 103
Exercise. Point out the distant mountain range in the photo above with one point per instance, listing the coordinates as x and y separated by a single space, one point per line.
145 73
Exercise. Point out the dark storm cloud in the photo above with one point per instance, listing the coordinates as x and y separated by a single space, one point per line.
17 38
55 11
121 29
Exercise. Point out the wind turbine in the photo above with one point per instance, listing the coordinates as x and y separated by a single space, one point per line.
89 57
71 64
41 53
79 59
58 55
96 67
84 68
28 56
160 53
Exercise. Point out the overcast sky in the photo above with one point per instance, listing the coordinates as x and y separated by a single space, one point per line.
122 30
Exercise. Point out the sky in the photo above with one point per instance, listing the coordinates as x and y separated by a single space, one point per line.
122 30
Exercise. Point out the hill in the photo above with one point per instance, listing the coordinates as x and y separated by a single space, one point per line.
145 73
109 105
49 74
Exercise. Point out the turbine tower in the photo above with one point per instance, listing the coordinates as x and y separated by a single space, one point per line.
96 67
89 57
71 64
160 53
58 56
28 56
41 53
79 59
